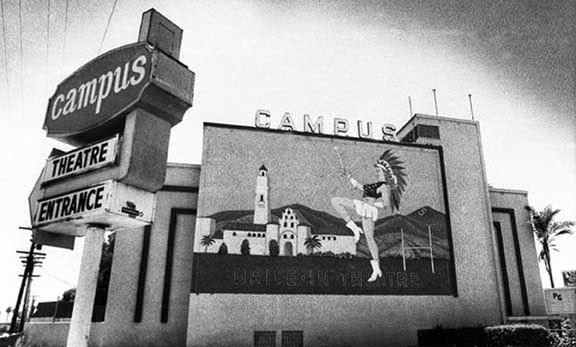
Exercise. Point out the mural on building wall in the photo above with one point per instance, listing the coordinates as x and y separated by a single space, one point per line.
288 213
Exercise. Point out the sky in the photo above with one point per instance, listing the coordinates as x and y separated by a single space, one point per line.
357 60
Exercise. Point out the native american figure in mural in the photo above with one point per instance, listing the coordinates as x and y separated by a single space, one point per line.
385 194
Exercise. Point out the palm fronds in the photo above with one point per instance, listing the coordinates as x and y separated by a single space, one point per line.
547 231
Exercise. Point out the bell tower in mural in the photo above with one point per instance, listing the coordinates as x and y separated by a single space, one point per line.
261 202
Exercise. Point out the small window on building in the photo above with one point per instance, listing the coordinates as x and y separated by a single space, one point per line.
249 234
285 236
261 198
234 233
294 338
285 224
264 339
291 236
429 131
291 225
334 238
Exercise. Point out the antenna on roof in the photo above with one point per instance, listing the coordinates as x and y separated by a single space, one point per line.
471 109
410 105
435 102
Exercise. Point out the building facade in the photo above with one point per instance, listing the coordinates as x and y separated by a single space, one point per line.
480 270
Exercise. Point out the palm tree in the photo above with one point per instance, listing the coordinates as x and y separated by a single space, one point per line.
8 310
546 232
312 243
207 241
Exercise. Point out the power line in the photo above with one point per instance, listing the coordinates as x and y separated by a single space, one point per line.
58 279
5 45
107 26
21 53
65 33
48 34
47 69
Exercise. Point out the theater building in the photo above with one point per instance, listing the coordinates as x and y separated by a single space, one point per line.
247 249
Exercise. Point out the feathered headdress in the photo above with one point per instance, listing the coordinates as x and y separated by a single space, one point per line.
395 176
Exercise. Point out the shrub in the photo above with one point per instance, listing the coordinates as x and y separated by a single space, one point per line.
274 248
223 249
245 247
346 255
566 337
460 337
518 335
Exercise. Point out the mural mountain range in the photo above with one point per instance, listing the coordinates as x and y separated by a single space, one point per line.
387 230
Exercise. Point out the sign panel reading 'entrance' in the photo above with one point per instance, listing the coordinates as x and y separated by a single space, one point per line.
294 213
109 203
70 205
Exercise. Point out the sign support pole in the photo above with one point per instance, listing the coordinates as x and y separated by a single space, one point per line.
81 321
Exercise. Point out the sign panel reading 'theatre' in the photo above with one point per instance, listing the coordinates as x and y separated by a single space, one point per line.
82 160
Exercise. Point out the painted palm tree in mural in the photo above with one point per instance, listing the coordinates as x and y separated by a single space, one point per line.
8 310
312 243
546 231
207 241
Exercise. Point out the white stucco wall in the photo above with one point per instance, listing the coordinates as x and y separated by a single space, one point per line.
516 201
119 328
54 334
380 320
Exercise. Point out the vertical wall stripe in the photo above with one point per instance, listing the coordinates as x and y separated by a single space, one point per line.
522 279
503 268
449 225
142 274
174 213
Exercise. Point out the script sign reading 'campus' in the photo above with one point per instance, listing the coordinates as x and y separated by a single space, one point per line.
109 203
81 160
99 91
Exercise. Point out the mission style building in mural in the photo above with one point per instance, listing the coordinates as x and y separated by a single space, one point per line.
264 230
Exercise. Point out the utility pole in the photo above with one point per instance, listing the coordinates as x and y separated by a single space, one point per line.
21 291
29 262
